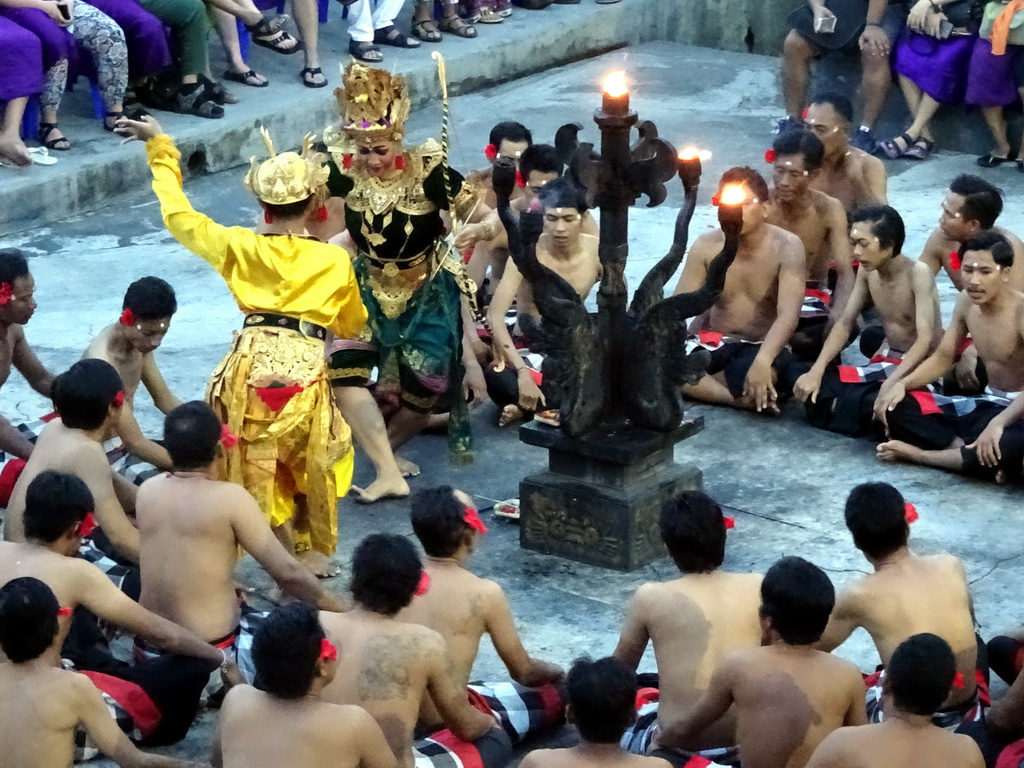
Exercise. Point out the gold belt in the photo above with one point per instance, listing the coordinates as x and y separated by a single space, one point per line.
393 287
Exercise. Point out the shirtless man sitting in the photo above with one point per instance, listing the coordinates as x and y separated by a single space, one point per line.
970 207
748 327
462 608
191 526
693 622
850 175
820 223
601 697
89 397
980 436
46 712
17 305
128 345
907 594
787 695
390 665
564 249
919 676
841 398
283 723
538 165
58 510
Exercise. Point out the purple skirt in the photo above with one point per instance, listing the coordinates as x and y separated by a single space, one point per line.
57 42
990 78
148 48
21 62
937 67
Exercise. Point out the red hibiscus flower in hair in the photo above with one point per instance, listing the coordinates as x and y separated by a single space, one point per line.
228 438
6 293
769 156
128 318
490 151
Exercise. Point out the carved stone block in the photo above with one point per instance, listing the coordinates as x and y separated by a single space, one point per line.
599 501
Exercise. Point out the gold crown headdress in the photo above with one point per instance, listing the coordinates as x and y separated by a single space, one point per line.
288 177
374 104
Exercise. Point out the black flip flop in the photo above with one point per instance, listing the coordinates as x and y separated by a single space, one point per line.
246 78
992 161
391 35
312 71
363 52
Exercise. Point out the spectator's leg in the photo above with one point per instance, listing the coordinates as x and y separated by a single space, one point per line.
308 23
997 126
876 76
105 41
797 52
187 20
55 83
922 117
241 9
227 30
12 148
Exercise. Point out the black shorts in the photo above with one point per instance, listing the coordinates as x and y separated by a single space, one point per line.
734 359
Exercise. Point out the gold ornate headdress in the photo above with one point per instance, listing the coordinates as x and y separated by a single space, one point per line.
288 177
374 104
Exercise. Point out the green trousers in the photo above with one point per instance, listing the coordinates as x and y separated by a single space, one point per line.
187 20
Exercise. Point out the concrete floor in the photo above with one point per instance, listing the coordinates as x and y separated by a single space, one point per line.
785 482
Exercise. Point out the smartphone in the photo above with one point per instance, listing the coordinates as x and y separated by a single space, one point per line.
945 29
64 11
825 25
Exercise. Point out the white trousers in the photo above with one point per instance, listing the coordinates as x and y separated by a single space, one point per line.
364 18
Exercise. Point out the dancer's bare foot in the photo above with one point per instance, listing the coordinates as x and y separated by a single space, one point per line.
13 149
897 450
318 563
509 414
406 467
382 488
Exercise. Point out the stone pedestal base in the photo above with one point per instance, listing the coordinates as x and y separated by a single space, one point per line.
598 502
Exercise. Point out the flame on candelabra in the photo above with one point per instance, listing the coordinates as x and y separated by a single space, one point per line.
693 153
615 84
732 194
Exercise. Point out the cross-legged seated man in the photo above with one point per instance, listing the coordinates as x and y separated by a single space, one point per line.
17 305
842 398
462 607
515 380
693 622
48 713
907 594
848 173
156 702
282 723
920 674
191 526
971 206
748 327
128 345
89 397
820 223
787 696
601 695
980 436
391 665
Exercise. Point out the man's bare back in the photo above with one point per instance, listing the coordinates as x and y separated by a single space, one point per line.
258 730
189 550
896 742
787 699
911 595
747 307
388 666
590 756
74 452
693 622
853 179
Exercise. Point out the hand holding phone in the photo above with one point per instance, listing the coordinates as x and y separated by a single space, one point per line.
825 25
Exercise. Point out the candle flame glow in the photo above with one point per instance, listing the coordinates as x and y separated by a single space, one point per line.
732 194
615 84
693 153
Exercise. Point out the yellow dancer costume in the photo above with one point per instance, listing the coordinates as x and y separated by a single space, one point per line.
271 388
